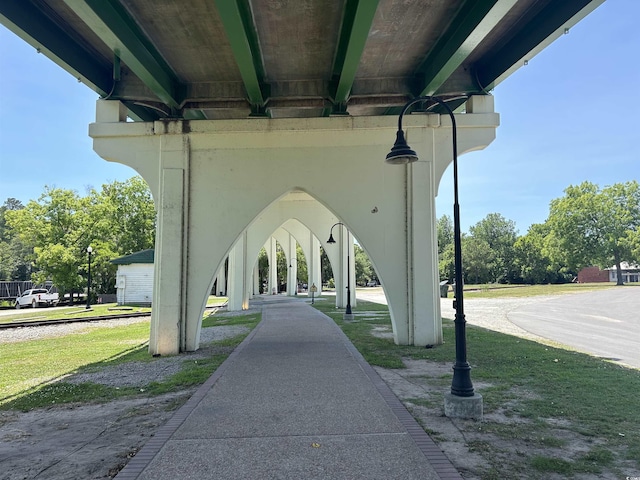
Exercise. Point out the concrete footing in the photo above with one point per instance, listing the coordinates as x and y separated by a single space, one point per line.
348 317
463 407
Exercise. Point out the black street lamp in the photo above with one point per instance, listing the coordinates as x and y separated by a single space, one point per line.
400 154
89 250
347 312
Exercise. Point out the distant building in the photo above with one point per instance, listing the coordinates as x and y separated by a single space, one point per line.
630 273
134 279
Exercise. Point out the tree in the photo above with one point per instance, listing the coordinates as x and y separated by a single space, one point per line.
364 269
533 261
500 234
479 260
446 258
593 226
57 228
123 215
445 233
15 263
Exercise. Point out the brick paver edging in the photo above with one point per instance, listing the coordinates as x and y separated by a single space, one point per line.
150 449
436 457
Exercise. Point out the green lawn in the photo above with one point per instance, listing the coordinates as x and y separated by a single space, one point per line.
33 372
498 291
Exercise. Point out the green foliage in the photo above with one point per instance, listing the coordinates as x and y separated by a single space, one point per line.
53 234
364 268
593 226
500 235
479 260
532 260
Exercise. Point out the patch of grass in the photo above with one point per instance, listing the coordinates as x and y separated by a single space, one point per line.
33 364
214 301
41 314
33 371
249 320
500 291
552 465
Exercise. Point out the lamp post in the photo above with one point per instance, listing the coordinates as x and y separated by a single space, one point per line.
400 154
89 250
348 315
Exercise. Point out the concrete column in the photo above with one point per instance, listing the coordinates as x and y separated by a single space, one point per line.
313 265
344 243
292 278
237 278
221 282
273 266
256 279
168 323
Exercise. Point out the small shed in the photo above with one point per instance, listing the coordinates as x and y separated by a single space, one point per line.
134 279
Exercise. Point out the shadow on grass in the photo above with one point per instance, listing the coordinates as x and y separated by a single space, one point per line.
191 373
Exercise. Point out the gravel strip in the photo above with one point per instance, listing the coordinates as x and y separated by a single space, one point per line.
21 334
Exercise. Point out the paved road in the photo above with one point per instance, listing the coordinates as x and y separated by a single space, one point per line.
605 323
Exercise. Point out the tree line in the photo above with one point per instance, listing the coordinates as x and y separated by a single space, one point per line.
588 226
47 239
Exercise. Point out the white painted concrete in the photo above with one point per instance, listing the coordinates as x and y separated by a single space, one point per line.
242 167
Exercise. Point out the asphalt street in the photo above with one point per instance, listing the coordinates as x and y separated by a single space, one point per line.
605 323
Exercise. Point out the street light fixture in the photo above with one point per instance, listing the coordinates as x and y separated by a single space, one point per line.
348 315
89 250
401 154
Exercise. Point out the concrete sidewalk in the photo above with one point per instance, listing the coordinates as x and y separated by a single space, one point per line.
294 401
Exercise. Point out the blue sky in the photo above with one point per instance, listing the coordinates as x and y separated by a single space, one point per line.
570 115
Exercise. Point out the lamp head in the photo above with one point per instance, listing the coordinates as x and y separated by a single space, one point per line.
331 240
401 153
89 249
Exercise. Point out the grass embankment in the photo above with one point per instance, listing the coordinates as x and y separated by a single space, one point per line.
549 396
33 372
496 290
80 311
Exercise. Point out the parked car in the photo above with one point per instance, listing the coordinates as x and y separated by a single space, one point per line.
36 297
372 283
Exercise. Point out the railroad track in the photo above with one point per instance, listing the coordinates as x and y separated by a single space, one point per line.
60 321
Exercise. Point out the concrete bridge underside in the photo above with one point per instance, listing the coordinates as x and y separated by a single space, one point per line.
213 180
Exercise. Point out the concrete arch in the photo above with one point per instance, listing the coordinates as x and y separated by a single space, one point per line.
211 179
295 212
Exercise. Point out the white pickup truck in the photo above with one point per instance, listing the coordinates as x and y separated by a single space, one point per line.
36 297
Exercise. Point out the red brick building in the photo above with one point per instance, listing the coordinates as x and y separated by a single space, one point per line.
592 275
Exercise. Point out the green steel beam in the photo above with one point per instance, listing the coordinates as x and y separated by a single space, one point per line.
356 24
473 22
141 113
537 34
238 25
30 24
194 114
115 27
